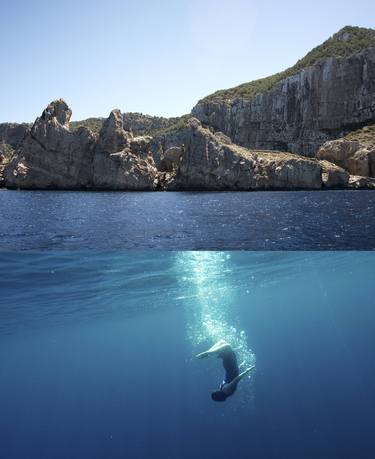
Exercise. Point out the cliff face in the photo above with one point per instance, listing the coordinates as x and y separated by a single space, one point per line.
51 156
121 161
255 136
354 156
211 161
11 136
301 112
13 133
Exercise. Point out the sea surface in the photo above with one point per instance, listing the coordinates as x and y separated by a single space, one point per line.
326 220
97 353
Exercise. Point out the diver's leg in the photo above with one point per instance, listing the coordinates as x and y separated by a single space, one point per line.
228 388
216 349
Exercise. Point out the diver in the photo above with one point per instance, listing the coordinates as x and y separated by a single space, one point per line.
224 351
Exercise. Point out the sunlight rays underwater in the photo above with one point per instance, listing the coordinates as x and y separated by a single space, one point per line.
212 317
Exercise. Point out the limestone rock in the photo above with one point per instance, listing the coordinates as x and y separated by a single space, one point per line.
124 171
171 158
113 137
210 164
51 156
358 182
12 134
58 112
120 161
301 112
2 166
333 176
140 146
356 158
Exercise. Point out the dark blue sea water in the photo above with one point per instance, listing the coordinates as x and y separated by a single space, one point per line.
188 221
96 354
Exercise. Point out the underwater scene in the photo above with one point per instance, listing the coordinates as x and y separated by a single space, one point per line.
98 354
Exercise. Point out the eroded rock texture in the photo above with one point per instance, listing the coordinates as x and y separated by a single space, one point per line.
301 112
50 156
354 156
53 157
212 162
122 161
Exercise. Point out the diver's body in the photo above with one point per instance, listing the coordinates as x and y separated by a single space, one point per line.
232 376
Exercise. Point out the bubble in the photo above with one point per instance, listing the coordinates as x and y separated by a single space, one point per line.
213 319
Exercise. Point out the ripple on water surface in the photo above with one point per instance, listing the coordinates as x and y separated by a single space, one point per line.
188 221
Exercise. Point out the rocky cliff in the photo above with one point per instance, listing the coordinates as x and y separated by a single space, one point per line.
354 153
195 157
11 136
51 156
210 161
244 138
319 99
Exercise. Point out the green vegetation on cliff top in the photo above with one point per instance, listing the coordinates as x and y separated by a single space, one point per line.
365 135
94 124
346 42
169 125
177 125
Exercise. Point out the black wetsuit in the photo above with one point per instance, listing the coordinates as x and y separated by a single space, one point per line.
231 368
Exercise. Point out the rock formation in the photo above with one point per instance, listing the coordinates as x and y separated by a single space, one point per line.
244 138
358 182
170 159
333 176
12 134
211 162
357 158
52 157
121 161
322 101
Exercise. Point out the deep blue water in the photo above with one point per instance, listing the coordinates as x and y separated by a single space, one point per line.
188 221
96 354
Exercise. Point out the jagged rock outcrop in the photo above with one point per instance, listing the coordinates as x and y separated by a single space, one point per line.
122 162
50 156
301 112
53 157
354 156
209 163
113 137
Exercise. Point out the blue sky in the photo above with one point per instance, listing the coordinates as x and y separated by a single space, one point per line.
158 57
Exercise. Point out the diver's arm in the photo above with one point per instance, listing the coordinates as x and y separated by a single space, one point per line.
214 350
228 387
